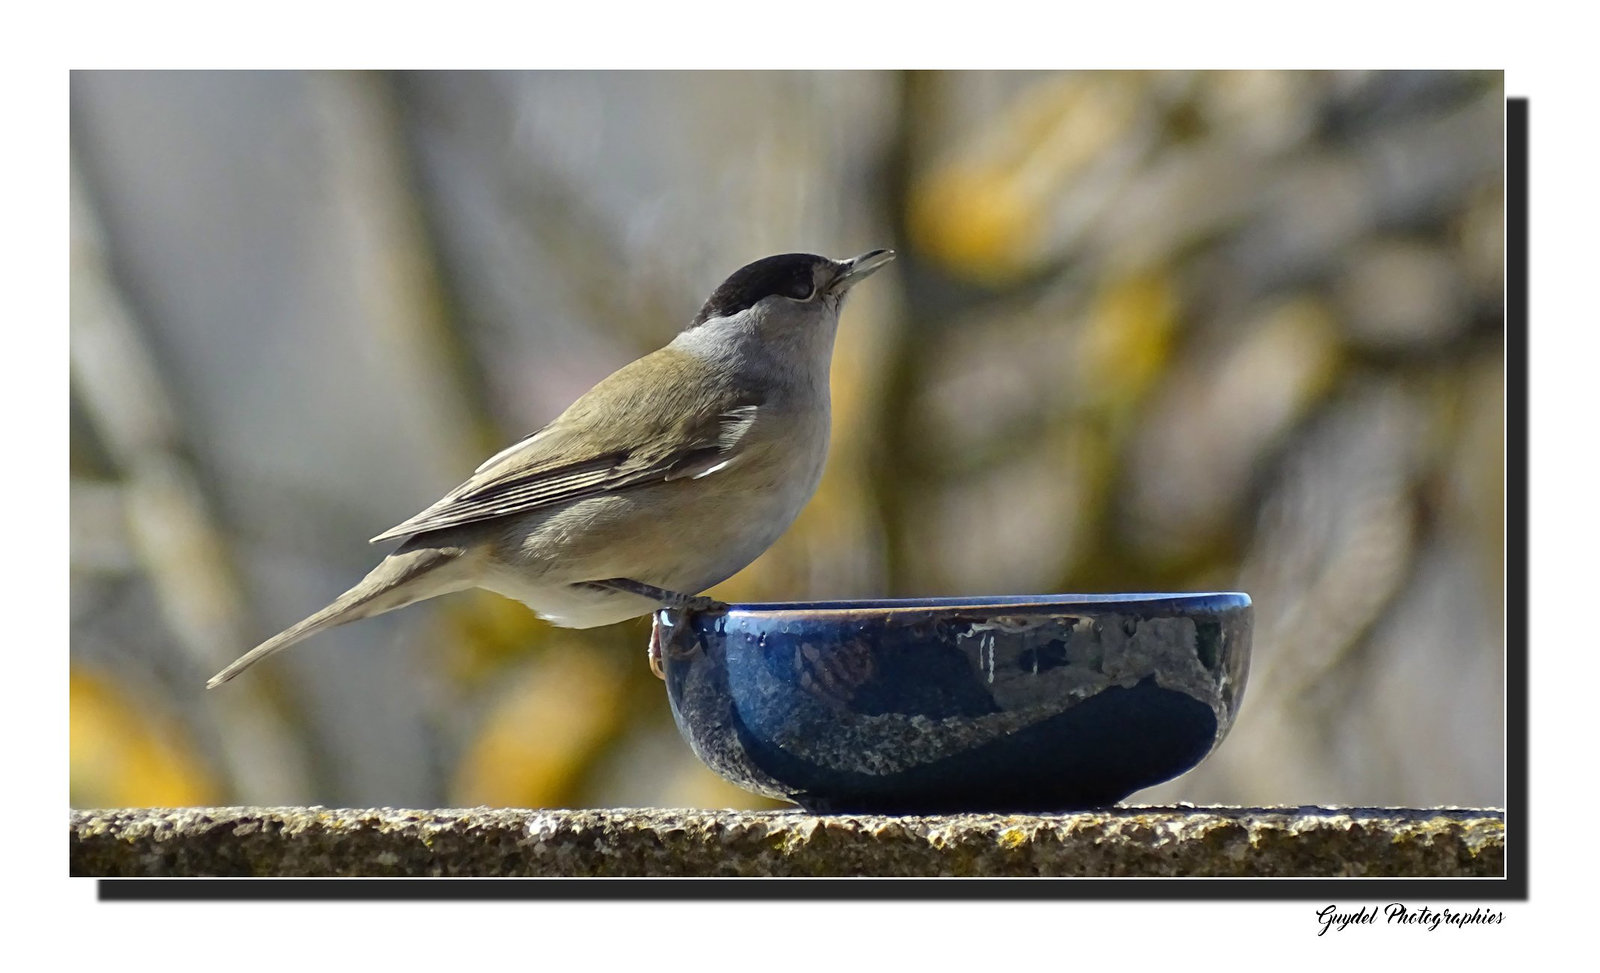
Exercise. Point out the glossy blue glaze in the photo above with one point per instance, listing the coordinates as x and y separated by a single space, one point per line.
1010 703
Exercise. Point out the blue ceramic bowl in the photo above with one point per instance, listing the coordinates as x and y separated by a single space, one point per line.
1014 703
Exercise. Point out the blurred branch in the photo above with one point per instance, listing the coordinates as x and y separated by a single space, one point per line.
405 278
173 537
896 390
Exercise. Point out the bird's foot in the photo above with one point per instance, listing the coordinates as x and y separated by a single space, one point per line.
668 599
688 604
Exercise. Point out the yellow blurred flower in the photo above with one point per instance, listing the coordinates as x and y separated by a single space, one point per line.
124 755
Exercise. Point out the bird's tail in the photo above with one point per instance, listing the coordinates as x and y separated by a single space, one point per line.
403 577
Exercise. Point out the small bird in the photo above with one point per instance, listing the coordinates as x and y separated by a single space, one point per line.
666 478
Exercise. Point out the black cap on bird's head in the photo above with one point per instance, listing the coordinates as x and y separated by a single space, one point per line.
795 276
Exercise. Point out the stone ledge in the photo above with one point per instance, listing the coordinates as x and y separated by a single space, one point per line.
1122 841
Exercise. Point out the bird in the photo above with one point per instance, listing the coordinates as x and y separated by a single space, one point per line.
667 477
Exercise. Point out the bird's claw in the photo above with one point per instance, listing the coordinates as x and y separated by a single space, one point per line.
654 652
699 603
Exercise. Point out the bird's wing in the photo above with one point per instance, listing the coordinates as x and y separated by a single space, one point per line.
589 451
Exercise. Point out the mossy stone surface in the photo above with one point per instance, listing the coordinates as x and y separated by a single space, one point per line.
1123 841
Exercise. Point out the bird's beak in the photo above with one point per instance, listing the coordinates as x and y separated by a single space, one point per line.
857 269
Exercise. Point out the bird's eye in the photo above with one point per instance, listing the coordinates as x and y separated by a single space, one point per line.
801 290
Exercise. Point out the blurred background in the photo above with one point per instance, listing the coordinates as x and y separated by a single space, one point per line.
1147 331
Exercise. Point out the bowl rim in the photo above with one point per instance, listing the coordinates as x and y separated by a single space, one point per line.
1082 603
